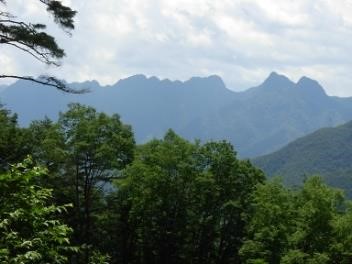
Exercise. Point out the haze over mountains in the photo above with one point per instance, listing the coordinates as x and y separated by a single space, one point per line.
257 121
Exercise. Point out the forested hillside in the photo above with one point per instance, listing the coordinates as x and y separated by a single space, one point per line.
326 152
257 121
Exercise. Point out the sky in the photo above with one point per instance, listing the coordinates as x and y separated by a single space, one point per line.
241 41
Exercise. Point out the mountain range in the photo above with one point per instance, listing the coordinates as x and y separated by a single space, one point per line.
257 121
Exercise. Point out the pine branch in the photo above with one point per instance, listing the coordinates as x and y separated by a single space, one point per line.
30 38
27 37
63 15
48 81
44 59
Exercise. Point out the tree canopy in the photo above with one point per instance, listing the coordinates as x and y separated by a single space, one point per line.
166 201
13 147
181 202
84 151
307 225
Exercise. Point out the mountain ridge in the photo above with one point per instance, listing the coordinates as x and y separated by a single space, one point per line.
325 152
257 121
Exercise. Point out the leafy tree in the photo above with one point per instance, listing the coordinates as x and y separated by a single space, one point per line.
32 39
317 206
84 150
96 146
30 231
307 225
13 146
341 244
270 225
180 202
47 147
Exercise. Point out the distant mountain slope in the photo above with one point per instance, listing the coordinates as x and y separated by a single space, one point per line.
2 88
151 105
327 152
267 117
257 121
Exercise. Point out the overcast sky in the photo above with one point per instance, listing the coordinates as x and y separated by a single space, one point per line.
241 41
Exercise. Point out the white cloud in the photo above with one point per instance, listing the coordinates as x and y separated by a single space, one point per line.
241 40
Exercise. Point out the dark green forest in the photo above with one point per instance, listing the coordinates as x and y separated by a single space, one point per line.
80 190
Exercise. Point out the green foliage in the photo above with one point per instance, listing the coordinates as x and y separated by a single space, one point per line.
308 225
317 206
342 237
180 202
12 139
84 151
30 231
299 257
167 201
270 225
98 258
96 139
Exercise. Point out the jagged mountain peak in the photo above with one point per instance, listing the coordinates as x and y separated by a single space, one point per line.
311 86
257 121
275 80
281 84
91 85
210 81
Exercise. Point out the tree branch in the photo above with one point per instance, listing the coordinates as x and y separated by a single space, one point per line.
44 58
48 81
22 24
32 39
38 43
6 14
